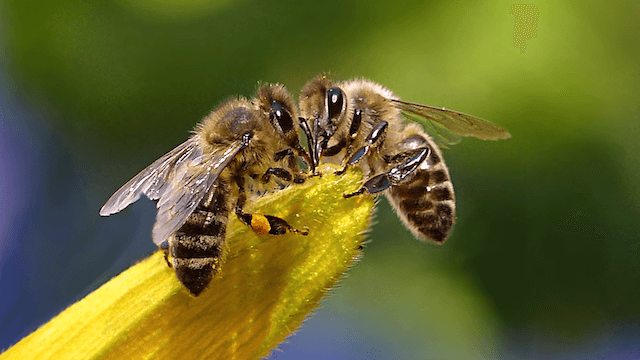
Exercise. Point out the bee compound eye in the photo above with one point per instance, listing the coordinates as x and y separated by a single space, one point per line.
282 116
335 102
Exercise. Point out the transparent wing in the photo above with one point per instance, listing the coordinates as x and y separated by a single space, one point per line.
455 122
187 189
442 137
154 180
179 179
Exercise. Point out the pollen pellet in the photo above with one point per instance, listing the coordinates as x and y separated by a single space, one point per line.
260 224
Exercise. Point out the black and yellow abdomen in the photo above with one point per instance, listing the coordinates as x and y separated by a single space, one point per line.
197 248
425 202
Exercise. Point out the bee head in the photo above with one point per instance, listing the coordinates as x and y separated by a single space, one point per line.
276 104
323 106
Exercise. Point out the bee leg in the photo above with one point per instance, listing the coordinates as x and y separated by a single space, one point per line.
377 134
165 247
355 158
292 163
166 258
282 154
267 224
278 172
354 129
394 176
397 158
262 224
335 149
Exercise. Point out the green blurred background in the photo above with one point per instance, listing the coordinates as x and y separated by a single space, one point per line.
544 261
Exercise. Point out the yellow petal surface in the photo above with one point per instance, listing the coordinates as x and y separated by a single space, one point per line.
265 289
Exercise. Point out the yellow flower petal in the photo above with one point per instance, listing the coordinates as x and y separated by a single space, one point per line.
266 287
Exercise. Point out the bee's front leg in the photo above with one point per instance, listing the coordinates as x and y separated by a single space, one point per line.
335 149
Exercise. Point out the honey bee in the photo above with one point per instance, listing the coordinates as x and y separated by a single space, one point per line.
362 123
196 183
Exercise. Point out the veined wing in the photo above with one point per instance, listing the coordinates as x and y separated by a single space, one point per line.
179 180
455 122
189 186
153 181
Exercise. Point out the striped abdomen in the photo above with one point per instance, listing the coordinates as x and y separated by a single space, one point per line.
425 202
197 247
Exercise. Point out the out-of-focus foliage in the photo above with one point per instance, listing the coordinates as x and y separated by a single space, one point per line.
545 253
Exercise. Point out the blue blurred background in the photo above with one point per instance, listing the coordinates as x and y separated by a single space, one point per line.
544 261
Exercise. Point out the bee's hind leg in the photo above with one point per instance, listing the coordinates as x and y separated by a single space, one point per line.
395 175
268 224
262 224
